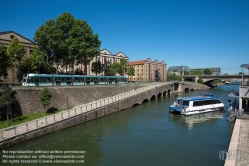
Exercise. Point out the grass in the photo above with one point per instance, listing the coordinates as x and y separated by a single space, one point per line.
27 118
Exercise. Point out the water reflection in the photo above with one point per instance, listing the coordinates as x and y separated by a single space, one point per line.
198 119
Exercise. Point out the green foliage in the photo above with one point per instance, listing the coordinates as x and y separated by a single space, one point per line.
200 81
207 71
66 40
173 77
16 50
35 63
97 67
130 71
45 96
114 68
240 73
246 99
123 67
7 97
197 72
27 118
5 61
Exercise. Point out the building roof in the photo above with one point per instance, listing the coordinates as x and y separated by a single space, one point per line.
6 32
141 62
245 66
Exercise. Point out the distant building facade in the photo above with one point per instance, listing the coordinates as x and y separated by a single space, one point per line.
178 69
147 70
5 39
105 57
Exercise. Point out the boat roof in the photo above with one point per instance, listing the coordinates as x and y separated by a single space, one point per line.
196 98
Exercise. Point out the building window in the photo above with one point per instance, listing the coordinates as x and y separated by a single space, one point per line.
12 36
98 59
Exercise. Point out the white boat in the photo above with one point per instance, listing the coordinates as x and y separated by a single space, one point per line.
196 105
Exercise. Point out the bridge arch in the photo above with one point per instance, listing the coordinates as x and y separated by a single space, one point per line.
135 104
165 93
145 100
159 95
186 89
168 92
153 97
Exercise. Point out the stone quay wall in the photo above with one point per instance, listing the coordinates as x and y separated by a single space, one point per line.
130 97
66 97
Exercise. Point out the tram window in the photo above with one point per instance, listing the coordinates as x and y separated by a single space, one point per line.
58 79
30 79
48 79
63 80
76 79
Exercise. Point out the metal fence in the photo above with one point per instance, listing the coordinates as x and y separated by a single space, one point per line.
82 109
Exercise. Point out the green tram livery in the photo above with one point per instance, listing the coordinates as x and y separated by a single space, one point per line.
62 80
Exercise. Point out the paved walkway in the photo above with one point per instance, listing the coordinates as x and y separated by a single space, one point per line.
238 152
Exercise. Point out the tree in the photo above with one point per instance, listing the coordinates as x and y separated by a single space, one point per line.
35 63
97 67
83 44
5 61
200 81
173 77
16 52
130 71
207 71
7 98
45 97
114 68
123 67
198 72
66 40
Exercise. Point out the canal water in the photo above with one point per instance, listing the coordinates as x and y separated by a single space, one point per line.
146 134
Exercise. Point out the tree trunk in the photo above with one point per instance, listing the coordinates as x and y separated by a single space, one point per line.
85 68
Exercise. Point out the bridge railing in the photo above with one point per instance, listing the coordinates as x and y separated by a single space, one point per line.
82 109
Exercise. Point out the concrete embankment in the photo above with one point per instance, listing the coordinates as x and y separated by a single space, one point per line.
89 104
238 152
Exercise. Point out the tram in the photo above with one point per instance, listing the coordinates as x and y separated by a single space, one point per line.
63 80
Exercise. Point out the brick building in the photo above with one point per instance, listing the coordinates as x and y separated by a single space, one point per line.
147 70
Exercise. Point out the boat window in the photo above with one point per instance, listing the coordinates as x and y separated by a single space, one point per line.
199 103
185 102
215 101
206 102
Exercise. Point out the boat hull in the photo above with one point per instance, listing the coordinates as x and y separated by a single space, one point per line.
201 111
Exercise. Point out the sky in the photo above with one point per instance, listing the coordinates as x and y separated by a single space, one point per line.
193 33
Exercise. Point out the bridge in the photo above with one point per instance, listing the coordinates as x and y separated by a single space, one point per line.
207 79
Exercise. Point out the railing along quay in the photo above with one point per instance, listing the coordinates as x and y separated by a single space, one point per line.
78 110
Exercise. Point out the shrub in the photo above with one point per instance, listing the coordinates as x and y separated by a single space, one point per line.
45 97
